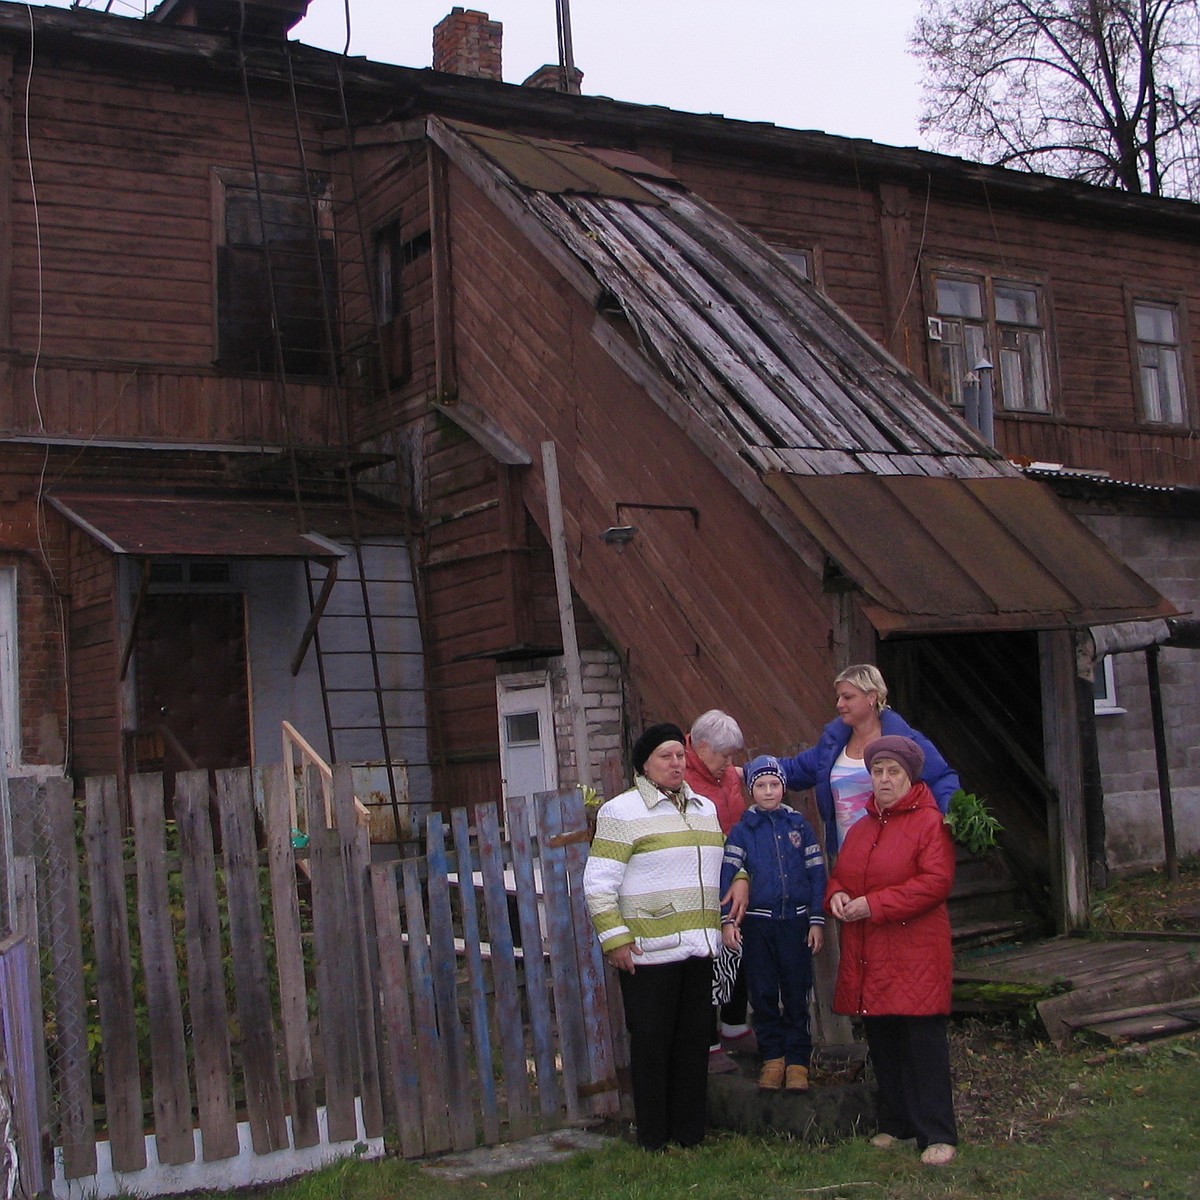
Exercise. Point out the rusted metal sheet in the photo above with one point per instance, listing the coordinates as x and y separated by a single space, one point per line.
553 167
148 524
955 555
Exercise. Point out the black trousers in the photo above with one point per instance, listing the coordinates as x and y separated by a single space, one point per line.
911 1057
668 1012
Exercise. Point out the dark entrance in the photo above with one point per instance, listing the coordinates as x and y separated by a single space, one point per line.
193 689
978 697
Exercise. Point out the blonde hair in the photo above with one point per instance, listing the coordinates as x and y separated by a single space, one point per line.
865 677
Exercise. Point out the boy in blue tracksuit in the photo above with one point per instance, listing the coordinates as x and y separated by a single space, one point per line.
784 925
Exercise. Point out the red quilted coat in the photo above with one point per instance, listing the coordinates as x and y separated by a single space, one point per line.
898 962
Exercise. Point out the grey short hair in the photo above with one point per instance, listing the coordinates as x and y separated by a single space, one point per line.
718 730
865 677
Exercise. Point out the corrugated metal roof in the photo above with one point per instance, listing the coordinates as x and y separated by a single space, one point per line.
167 525
952 555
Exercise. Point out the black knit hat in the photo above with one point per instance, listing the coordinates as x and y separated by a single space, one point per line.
651 740
903 749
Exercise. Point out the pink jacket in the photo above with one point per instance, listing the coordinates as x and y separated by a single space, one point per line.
726 793
899 961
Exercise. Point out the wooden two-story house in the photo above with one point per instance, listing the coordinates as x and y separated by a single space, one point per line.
322 378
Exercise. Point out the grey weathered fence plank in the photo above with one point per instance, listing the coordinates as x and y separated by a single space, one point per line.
207 1008
401 1060
537 995
25 867
564 971
289 955
173 1134
114 976
434 1062
356 854
504 973
252 993
473 953
445 981
335 984
602 1080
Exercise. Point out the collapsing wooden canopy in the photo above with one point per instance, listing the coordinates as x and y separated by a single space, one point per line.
904 499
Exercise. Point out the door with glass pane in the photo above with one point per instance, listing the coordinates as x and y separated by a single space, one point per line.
528 763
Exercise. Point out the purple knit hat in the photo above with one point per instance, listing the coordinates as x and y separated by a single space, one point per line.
903 749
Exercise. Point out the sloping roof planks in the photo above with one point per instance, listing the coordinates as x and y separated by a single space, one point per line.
906 501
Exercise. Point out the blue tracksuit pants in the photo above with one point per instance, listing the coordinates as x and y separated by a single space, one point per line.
778 966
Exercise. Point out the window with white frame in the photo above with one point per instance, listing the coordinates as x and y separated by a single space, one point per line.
980 317
1104 687
1161 383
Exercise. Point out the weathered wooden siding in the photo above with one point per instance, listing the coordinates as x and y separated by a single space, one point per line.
112 264
849 223
680 610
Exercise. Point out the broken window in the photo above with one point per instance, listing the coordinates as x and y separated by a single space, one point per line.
275 262
1160 374
980 318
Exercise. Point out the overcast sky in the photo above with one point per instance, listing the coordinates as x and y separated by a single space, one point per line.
837 65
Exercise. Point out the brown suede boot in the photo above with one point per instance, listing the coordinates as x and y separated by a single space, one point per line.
797 1078
770 1078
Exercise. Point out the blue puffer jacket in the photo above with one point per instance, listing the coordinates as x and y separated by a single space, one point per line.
781 854
811 767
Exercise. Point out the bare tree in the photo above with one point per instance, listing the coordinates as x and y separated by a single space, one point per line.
1106 91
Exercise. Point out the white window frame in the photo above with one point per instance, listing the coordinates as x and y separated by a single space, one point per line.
10 692
1155 405
1105 689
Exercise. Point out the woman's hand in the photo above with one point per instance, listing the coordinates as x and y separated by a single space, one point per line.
738 898
622 956
846 909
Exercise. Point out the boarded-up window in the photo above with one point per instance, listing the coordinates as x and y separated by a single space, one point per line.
275 261
980 318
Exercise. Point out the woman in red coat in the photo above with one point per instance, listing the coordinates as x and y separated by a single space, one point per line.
889 889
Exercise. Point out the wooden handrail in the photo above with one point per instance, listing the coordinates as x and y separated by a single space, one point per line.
293 739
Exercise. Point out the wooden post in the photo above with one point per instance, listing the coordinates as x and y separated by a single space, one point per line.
1060 730
1164 767
566 617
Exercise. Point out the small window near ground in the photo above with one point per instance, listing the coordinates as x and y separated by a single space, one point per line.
1160 363
1104 688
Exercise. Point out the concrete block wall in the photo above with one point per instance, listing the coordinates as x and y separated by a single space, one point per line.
604 702
1166 552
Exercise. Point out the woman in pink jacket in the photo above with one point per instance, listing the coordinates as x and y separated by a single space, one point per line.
889 889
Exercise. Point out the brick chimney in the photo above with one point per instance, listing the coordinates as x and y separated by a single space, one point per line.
467 43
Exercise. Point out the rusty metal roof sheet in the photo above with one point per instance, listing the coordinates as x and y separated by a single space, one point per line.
556 168
955 555
155 525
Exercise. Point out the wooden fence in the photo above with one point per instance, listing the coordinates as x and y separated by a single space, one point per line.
435 1002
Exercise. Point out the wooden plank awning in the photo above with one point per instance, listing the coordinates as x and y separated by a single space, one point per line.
965 555
169 525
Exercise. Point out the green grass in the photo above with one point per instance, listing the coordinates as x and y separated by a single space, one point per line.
1113 1125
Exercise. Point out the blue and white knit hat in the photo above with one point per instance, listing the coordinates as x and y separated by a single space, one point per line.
764 764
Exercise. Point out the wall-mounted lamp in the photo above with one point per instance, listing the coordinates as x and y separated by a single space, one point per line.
619 535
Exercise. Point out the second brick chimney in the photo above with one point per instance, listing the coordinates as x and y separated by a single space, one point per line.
467 43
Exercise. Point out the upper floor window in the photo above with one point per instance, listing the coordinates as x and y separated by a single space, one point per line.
1161 383
275 252
980 318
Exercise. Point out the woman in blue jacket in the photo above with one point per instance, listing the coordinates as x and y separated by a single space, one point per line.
834 767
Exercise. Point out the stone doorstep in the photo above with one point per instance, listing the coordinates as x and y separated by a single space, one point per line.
556 1146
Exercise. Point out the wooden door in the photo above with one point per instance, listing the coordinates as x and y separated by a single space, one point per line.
192 679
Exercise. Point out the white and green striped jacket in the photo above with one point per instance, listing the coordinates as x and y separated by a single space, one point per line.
653 875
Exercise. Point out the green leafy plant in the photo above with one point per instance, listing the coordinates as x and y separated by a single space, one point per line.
971 822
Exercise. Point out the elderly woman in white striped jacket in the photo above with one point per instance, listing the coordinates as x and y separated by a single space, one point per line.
651 884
